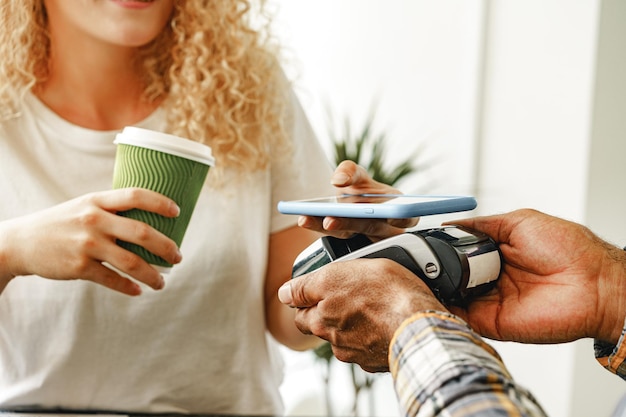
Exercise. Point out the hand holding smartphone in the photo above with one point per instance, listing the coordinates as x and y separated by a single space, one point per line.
378 206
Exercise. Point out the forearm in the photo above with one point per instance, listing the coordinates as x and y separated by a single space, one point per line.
280 319
6 269
4 281
438 364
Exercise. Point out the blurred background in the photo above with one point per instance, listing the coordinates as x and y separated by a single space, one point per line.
519 103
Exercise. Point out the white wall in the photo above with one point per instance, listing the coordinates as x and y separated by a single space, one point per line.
551 121
536 118
414 59
606 193
521 103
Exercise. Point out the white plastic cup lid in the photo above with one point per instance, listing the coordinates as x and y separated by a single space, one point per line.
164 142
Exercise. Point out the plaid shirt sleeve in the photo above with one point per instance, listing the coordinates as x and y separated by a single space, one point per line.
612 357
441 367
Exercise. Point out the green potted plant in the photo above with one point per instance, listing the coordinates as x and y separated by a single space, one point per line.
369 149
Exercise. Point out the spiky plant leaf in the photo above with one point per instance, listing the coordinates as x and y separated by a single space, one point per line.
370 151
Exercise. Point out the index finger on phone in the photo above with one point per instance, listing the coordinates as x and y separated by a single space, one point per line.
349 173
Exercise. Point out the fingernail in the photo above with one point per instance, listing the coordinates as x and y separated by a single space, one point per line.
339 178
176 210
329 223
136 290
303 221
161 284
284 293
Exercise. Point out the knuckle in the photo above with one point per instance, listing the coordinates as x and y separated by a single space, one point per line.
133 193
383 266
298 292
89 198
130 261
170 249
319 330
134 196
143 231
89 217
113 281
87 242
302 325
302 322
343 355
79 265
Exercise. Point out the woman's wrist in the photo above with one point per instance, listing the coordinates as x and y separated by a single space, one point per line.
6 269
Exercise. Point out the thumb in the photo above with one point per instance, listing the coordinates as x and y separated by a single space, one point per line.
284 294
294 293
346 174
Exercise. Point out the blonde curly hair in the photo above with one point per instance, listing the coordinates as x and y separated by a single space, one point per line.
219 77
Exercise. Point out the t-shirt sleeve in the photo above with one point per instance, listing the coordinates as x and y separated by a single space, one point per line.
306 174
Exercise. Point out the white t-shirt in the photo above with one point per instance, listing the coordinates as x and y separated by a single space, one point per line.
198 346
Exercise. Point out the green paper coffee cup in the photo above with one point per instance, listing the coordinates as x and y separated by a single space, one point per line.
173 166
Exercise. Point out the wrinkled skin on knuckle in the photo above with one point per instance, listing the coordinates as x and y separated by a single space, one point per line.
343 355
88 199
89 217
320 330
304 329
133 195
142 231
298 292
301 291
170 250
86 242
302 323
130 262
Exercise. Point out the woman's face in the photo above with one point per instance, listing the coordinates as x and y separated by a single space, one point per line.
129 23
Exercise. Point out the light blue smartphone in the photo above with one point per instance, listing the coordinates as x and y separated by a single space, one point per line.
378 206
